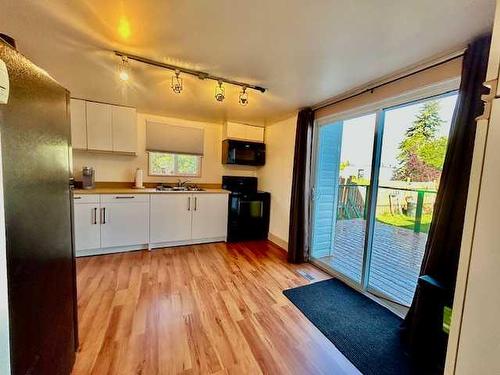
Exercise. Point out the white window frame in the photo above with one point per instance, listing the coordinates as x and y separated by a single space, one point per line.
176 172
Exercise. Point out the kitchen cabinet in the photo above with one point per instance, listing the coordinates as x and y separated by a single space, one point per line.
78 124
109 223
209 216
170 217
124 129
188 217
103 127
86 222
233 130
124 220
99 127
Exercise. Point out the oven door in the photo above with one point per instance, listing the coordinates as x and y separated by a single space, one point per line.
248 217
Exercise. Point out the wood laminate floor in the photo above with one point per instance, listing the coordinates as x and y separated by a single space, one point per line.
202 309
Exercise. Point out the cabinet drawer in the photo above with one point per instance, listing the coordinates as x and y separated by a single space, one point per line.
85 198
124 198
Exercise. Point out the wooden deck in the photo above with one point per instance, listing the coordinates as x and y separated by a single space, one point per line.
396 257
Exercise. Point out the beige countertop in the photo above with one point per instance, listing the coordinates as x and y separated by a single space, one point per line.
145 191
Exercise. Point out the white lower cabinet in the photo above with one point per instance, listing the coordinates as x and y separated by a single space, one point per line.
170 218
125 220
209 216
188 218
109 223
87 227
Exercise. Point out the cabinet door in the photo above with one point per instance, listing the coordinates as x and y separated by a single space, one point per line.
209 216
78 124
87 232
254 133
170 217
235 131
124 129
99 127
124 224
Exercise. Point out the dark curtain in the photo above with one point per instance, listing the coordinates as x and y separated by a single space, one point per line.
422 328
298 238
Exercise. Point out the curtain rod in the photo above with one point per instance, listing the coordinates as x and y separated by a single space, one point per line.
393 78
201 75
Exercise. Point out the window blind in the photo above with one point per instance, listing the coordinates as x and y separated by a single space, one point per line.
162 137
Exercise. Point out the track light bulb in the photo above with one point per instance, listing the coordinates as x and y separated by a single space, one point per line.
243 100
177 83
220 92
124 69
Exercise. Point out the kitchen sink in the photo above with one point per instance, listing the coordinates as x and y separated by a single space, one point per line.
178 188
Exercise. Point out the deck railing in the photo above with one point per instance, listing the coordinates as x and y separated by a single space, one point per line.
352 200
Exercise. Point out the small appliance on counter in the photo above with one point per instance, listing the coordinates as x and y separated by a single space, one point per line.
249 209
88 178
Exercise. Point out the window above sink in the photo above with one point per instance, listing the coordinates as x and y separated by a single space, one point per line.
170 164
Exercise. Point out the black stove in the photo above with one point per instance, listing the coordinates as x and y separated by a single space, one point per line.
249 209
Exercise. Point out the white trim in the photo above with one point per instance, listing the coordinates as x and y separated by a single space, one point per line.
421 93
187 242
150 246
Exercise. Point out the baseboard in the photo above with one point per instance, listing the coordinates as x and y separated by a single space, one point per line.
123 249
278 241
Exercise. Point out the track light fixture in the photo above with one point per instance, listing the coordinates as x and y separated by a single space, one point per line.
177 86
220 92
124 69
243 99
177 82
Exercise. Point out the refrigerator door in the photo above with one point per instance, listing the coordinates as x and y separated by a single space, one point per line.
35 133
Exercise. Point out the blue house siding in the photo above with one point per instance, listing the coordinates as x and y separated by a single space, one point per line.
326 188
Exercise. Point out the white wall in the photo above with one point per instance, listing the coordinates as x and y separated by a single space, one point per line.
121 168
276 176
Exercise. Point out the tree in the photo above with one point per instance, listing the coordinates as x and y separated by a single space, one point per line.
421 153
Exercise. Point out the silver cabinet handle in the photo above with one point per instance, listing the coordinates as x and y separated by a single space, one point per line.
95 215
195 203
103 215
124 197
189 203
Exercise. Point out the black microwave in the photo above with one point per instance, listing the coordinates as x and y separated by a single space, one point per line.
243 152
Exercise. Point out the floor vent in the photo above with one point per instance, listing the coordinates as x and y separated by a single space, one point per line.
308 276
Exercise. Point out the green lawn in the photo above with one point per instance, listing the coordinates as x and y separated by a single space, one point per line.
403 221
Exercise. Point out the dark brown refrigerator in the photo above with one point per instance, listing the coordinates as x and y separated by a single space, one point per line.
41 284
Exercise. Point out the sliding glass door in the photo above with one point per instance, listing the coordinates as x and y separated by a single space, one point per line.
342 181
375 183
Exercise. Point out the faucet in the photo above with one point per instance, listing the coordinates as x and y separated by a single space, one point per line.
181 183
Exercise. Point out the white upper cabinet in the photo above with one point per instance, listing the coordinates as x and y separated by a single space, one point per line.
78 124
233 130
99 127
124 129
103 127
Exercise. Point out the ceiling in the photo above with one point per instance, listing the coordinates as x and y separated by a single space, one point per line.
303 52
